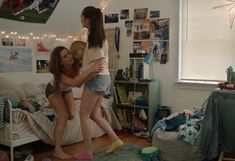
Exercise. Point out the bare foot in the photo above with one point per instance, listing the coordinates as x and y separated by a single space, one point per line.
61 155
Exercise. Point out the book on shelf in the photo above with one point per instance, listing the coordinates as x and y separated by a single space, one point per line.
115 95
121 93
132 96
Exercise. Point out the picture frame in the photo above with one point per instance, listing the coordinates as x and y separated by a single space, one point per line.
15 59
140 13
141 30
111 18
154 14
124 14
42 66
159 29
141 46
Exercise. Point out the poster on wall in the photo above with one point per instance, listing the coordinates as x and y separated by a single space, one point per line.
154 14
124 14
42 66
129 23
141 30
159 29
140 13
141 47
43 46
12 42
7 42
15 60
160 50
111 18
33 11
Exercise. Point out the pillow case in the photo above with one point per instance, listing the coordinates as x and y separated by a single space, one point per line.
10 94
6 84
30 89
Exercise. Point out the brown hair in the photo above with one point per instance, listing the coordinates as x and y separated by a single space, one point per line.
56 68
96 35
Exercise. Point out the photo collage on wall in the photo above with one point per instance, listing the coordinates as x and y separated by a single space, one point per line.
150 32
17 55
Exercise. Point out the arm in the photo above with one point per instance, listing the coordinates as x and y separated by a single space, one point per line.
81 78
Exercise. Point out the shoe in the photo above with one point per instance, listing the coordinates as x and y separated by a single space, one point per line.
115 145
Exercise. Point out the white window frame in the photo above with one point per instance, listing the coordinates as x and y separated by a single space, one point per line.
180 50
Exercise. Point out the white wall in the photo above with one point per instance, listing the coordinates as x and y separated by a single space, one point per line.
178 96
66 20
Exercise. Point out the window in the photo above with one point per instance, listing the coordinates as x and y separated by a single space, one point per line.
207 42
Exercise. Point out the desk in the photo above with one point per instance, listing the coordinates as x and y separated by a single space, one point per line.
218 127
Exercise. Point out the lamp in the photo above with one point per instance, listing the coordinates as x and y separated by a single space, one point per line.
148 58
146 67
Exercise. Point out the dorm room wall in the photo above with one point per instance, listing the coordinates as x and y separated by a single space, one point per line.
178 96
66 20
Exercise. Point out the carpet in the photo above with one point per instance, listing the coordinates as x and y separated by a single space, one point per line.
127 152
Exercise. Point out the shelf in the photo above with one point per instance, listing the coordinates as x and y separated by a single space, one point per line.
148 92
133 82
130 105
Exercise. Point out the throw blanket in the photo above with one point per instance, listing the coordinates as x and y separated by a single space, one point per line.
44 128
217 133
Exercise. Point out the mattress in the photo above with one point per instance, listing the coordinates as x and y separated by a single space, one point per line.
175 150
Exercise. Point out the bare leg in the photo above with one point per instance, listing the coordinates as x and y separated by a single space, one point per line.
70 106
21 11
87 104
95 116
57 102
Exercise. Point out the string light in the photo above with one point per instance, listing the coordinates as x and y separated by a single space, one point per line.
104 4
31 35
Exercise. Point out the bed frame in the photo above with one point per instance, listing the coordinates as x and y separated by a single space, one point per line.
16 131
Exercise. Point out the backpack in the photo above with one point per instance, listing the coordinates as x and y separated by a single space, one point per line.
151 153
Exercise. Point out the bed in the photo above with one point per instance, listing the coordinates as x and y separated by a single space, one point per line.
19 126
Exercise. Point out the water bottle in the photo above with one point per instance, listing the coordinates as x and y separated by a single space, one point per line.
229 74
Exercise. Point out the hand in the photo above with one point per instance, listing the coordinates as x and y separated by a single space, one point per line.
97 66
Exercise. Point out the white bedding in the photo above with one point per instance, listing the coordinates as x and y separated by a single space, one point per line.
44 128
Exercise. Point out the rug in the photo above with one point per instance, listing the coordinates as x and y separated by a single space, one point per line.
127 152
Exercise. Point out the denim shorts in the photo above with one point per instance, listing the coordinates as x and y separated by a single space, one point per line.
50 90
101 84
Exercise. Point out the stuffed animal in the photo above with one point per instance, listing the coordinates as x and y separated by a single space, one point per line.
151 153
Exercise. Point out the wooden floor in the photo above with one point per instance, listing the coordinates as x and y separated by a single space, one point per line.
42 150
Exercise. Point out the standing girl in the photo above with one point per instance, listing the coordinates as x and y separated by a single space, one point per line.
95 88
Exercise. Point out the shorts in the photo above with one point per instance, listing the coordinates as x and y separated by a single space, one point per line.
50 90
101 84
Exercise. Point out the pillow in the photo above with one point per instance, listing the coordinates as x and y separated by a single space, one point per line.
42 87
9 94
6 84
30 89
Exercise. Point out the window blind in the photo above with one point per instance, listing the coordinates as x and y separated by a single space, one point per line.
207 41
